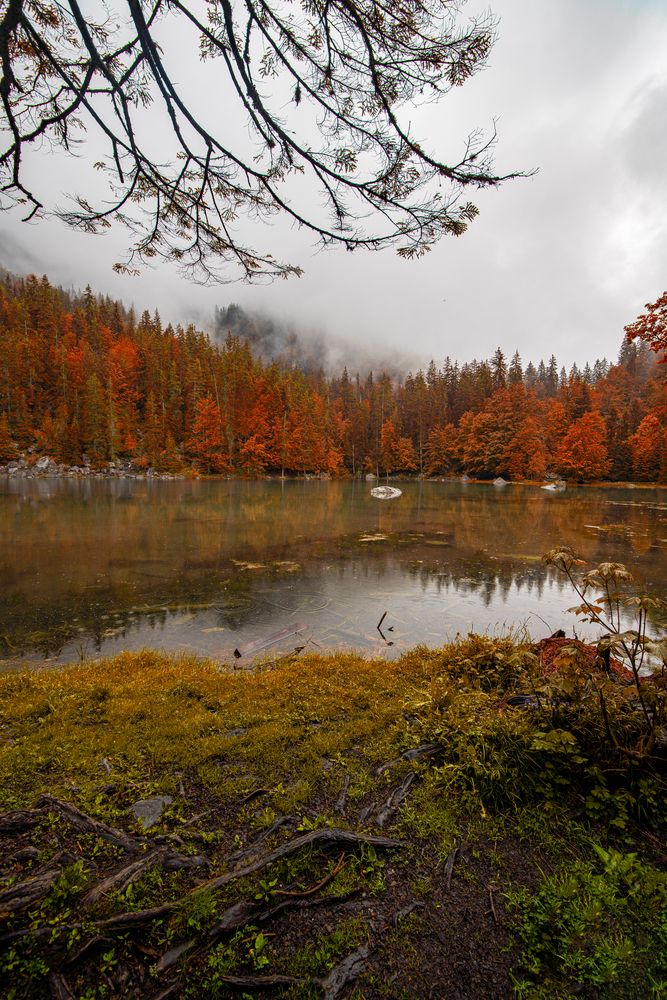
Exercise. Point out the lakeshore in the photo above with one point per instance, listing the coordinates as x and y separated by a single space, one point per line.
330 826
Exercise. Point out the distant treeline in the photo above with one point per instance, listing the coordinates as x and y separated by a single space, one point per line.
81 375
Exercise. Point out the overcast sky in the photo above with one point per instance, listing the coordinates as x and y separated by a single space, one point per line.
555 263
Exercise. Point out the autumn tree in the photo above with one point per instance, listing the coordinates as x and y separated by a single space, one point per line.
397 454
323 89
79 375
8 450
583 451
527 451
649 450
206 444
651 327
442 449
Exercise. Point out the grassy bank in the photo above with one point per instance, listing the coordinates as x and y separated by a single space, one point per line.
332 826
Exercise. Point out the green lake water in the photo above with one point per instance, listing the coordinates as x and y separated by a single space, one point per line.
91 567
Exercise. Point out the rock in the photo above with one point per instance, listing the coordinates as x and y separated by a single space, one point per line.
500 481
465 479
42 464
147 812
370 477
385 493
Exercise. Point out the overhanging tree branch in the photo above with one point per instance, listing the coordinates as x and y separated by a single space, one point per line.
321 84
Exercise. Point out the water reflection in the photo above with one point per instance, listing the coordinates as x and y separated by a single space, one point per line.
91 566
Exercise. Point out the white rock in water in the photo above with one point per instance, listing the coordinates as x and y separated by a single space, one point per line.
385 493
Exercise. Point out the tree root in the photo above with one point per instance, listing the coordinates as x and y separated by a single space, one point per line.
315 838
19 820
345 972
425 750
81 821
21 895
388 810
340 801
449 867
249 849
121 879
263 982
59 987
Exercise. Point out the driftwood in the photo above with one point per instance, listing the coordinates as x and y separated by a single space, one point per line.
250 648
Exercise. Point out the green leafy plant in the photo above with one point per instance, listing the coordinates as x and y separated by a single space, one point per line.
607 598
597 927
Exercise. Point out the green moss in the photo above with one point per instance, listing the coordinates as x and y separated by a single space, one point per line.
108 733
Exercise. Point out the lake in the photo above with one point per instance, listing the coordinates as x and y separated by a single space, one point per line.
90 567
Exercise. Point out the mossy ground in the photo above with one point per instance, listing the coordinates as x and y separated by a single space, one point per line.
531 852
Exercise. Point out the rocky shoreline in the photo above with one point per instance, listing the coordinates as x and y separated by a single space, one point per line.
45 467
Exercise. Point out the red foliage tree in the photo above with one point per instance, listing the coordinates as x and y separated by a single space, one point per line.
583 451
649 450
206 443
651 327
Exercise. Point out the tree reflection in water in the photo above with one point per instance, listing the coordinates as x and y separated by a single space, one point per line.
93 566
